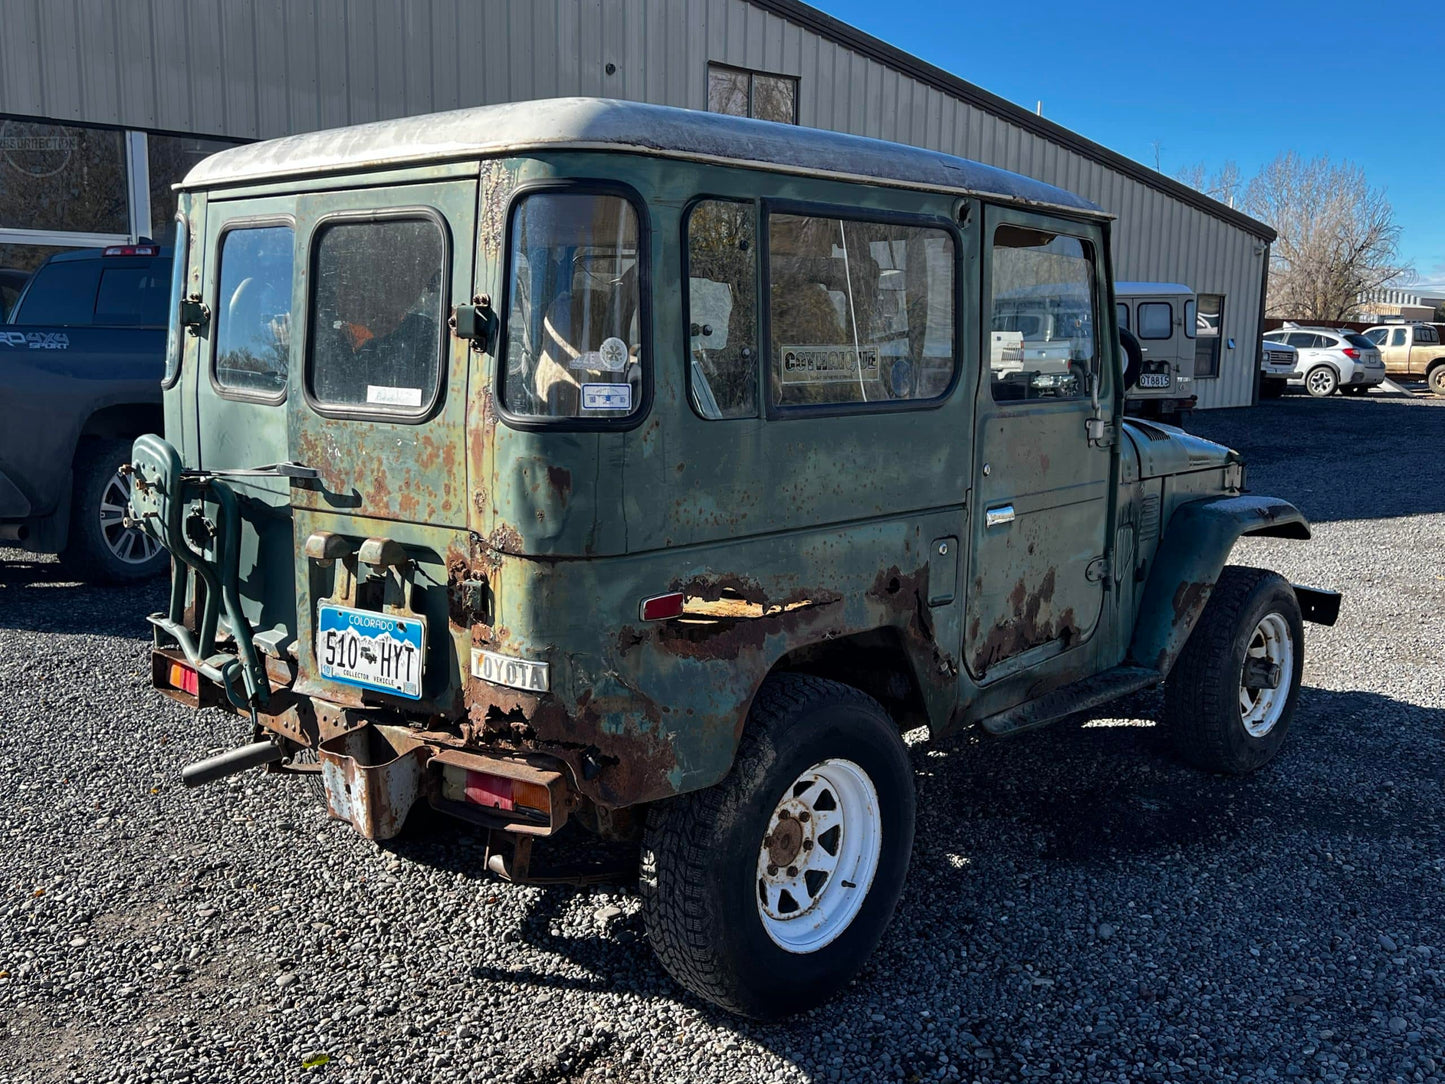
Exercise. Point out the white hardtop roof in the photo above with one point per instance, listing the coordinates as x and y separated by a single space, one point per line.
605 124
1135 288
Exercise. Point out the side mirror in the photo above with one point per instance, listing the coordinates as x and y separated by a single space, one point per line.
1133 357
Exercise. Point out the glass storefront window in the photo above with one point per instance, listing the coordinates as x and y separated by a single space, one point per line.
62 177
170 158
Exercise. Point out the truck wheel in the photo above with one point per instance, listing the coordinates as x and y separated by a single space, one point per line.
765 893
1230 697
1436 379
100 548
1321 381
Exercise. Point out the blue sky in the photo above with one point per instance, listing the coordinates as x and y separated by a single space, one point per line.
1241 81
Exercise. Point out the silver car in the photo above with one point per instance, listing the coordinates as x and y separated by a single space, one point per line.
1332 359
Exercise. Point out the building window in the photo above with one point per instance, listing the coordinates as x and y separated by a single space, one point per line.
742 93
169 159
65 186
1208 325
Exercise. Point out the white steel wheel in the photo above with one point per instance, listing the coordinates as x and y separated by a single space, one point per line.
1267 675
818 858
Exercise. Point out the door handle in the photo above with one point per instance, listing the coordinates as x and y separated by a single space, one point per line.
999 517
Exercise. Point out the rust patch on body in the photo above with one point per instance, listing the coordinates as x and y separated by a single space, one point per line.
1033 624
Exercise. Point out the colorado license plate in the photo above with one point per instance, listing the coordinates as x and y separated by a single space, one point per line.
1153 380
370 649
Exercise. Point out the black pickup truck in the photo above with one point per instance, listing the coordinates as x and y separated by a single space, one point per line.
81 359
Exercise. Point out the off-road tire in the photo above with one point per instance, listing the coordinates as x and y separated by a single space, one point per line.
1201 697
1322 381
1435 378
699 877
1272 389
87 556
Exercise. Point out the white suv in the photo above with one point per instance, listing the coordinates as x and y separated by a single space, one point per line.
1332 359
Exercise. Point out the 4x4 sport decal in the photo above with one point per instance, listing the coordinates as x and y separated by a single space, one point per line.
35 340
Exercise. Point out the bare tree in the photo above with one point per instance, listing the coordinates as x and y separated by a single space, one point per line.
1337 237
1224 184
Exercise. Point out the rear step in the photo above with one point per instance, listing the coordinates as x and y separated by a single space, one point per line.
1080 696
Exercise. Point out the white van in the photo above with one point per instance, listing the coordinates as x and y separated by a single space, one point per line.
1162 316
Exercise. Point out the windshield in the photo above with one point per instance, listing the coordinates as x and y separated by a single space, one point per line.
574 327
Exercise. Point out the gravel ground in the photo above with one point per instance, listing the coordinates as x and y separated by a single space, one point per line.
1081 907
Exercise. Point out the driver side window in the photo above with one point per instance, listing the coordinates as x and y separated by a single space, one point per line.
1041 330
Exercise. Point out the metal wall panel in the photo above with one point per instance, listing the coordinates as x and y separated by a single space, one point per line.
262 68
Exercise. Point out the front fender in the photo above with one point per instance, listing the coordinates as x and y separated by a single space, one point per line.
1191 555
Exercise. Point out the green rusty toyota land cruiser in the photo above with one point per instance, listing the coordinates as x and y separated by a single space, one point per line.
638 472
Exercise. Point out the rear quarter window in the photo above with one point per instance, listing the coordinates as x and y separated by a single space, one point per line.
62 293
379 288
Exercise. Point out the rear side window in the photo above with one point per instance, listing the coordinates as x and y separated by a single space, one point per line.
574 336
378 298
722 293
61 293
1400 336
133 295
1301 341
1042 341
1156 320
1191 318
253 310
1123 315
860 312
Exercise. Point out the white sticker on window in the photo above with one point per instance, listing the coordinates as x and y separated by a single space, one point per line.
612 358
388 396
606 396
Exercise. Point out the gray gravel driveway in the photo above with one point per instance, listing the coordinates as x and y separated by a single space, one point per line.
1081 906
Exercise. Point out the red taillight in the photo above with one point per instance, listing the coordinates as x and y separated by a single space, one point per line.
662 607
1351 353
508 795
132 250
184 679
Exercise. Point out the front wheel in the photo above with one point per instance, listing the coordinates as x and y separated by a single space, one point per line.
1321 381
1230 697
765 894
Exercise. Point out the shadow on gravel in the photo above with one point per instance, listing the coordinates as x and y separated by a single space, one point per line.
1313 452
35 597
1070 804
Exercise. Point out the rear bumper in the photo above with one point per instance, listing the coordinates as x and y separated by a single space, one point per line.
375 769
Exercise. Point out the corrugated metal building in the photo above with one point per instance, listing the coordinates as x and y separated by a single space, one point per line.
104 105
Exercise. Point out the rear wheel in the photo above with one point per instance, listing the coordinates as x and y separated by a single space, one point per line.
1436 379
1321 381
765 893
1230 698
100 547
